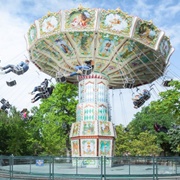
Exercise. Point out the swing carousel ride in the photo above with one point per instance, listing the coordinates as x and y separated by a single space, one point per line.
127 52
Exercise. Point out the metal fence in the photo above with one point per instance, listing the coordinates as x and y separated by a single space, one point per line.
106 168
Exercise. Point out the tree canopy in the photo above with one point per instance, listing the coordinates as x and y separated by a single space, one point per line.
52 121
47 132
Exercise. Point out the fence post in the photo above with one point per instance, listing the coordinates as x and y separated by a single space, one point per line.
176 164
30 165
104 159
129 165
153 168
10 166
49 160
156 167
52 158
11 159
76 158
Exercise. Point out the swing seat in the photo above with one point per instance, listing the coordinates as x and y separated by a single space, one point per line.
61 79
3 107
146 97
87 71
11 83
128 85
25 109
41 88
166 83
7 105
18 70
45 95
164 129
139 103
158 128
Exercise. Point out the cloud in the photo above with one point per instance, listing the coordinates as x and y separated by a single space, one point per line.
164 14
173 35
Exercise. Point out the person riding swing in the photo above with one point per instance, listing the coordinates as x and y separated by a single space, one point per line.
19 69
83 69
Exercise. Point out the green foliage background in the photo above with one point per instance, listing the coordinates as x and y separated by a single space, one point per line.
47 132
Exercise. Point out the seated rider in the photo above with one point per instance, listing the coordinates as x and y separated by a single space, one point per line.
24 113
44 85
136 100
23 65
40 95
158 128
88 65
146 93
5 105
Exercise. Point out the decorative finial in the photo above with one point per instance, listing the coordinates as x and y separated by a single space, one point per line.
150 22
49 13
118 9
80 7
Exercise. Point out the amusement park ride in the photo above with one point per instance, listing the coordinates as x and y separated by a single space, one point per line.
127 52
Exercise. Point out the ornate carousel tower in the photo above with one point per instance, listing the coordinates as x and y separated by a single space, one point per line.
125 50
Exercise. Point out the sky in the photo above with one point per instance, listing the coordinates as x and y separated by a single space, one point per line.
16 16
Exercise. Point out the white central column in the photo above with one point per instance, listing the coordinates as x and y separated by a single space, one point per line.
93 134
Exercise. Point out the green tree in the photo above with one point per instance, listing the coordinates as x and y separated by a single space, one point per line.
169 103
145 145
123 140
52 121
3 132
174 138
145 120
13 134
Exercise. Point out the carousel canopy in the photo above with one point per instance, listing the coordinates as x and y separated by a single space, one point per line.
124 48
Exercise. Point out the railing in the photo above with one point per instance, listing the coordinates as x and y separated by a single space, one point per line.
56 168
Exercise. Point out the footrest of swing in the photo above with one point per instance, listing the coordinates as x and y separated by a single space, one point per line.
11 83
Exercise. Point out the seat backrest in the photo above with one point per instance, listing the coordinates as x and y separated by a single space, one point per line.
140 102
41 88
146 97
